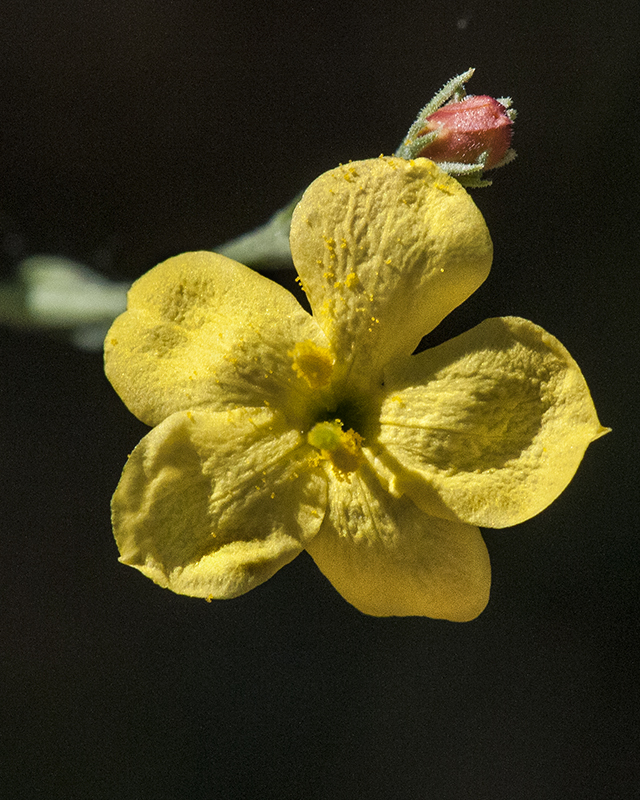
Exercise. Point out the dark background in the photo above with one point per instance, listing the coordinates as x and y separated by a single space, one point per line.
133 130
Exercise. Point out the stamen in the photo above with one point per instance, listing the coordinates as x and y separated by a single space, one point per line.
342 448
313 363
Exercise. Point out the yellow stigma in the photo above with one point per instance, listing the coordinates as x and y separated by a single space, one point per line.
313 363
341 448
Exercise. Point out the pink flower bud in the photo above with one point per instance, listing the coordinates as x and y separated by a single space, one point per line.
468 128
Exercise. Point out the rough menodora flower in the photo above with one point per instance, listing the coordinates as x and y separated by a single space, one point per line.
277 431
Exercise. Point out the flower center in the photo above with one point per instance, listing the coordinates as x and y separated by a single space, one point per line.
342 448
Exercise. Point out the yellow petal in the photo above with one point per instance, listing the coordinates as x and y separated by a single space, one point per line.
388 558
386 248
210 504
202 330
490 427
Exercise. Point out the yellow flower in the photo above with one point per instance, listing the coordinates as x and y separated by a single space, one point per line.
277 431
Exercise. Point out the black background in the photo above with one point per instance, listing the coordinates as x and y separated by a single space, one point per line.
133 130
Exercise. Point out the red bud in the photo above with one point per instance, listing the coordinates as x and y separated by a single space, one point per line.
468 128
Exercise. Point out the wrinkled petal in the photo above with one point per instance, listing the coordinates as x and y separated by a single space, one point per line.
386 248
388 558
202 330
211 504
490 427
